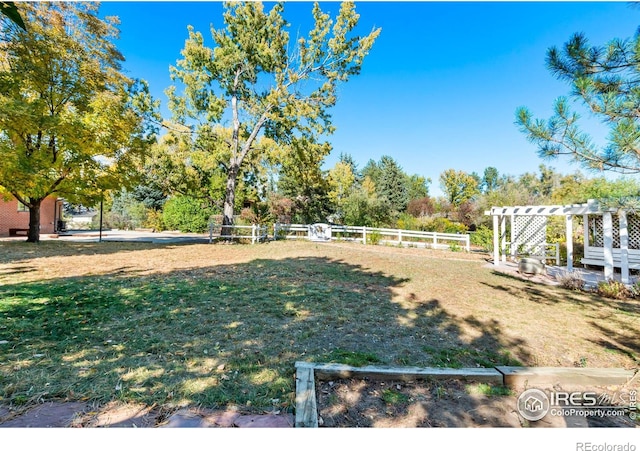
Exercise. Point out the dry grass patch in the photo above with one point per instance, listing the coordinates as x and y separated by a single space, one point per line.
223 325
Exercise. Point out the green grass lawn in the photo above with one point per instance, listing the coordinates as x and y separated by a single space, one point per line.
220 325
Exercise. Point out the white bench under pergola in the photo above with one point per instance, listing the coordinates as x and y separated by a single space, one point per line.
611 236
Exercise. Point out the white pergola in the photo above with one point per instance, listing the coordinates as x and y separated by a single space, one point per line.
597 221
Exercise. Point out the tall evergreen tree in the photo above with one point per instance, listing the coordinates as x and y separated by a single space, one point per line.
392 184
347 159
372 171
606 80
490 179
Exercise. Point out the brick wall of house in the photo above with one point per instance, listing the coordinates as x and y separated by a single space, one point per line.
11 218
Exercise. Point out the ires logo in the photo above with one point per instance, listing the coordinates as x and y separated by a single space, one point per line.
535 404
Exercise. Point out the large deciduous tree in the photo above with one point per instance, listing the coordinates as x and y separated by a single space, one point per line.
180 166
364 207
458 186
71 123
606 80
341 180
303 181
417 187
259 81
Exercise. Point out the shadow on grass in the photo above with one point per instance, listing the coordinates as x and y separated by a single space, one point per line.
623 340
618 336
545 294
16 270
221 335
15 251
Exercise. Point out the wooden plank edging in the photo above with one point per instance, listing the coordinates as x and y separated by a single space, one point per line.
306 409
509 376
522 375
332 370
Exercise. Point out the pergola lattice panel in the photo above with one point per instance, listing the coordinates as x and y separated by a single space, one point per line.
596 231
633 227
530 232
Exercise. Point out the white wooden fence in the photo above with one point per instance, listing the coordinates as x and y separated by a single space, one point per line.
374 234
255 233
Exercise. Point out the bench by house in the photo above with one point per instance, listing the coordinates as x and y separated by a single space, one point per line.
17 232
594 256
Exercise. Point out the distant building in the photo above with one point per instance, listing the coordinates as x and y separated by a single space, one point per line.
14 216
82 220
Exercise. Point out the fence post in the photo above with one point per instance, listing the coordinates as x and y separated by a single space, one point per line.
435 240
468 242
364 235
210 232
253 234
399 237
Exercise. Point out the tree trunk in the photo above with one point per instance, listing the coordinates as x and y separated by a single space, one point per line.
229 201
34 221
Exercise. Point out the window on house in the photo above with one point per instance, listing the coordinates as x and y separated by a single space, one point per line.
22 207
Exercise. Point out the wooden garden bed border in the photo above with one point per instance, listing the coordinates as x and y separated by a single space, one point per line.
306 403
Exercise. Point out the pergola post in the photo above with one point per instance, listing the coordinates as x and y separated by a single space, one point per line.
496 241
607 232
569 227
585 226
624 247
503 238
512 223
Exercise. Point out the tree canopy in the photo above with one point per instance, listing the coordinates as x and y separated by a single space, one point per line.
263 84
71 123
606 80
458 186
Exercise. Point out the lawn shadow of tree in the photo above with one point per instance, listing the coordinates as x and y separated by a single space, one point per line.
222 335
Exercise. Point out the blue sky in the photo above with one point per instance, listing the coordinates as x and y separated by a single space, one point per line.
438 90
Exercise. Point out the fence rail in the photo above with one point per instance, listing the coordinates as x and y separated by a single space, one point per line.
255 233
366 235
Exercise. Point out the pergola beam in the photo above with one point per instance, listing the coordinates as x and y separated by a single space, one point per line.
546 210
